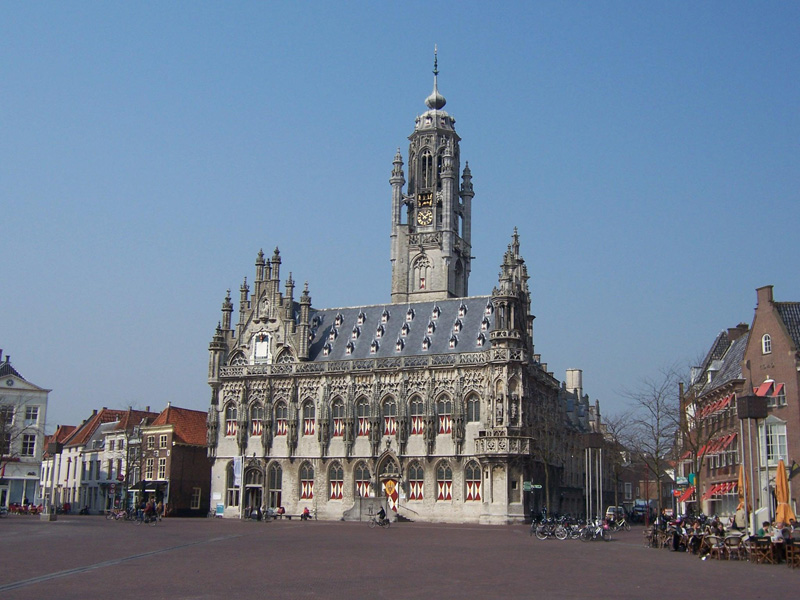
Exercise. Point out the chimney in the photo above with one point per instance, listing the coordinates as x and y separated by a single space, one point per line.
147 408
734 333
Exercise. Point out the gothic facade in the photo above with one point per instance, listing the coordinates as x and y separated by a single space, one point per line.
429 404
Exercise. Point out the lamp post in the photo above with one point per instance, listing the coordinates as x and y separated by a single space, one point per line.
49 514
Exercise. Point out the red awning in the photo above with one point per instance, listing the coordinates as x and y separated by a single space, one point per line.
710 492
778 389
685 495
728 440
763 389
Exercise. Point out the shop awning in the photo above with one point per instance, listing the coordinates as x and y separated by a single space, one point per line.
685 495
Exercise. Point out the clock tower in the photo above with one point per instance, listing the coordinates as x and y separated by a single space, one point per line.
431 221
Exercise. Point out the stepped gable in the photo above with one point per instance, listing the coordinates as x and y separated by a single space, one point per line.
459 317
189 425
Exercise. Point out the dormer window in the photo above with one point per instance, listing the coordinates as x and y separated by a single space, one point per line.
405 329
489 308
481 339
462 310
399 344
373 347
350 347
410 314
457 325
356 332
453 340
431 327
315 322
338 320
766 344
436 312
326 349
385 315
379 331
332 334
484 324
362 316
426 343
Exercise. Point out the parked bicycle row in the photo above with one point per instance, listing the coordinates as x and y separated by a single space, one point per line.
566 527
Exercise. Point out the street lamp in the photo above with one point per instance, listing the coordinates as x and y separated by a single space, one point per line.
750 408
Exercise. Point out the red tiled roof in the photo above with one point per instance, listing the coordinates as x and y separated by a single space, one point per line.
61 433
84 431
190 425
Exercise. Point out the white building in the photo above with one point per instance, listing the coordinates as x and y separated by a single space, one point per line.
23 409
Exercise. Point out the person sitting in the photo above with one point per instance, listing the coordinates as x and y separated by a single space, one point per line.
763 531
305 515
281 511
381 515
778 537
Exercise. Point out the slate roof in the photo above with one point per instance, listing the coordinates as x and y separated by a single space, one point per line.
374 331
6 369
731 367
790 315
189 425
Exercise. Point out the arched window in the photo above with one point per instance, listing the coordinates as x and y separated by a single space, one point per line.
274 484
336 475
417 412
473 409
389 417
306 482
766 344
444 482
363 481
337 414
421 269
281 419
308 418
230 419
416 480
472 479
232 497
256 419
426 165
362 411
444 411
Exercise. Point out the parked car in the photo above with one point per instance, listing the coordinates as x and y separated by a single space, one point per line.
615 513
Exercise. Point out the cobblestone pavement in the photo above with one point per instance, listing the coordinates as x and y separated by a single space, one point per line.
89 557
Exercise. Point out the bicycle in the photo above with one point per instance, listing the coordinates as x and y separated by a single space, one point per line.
375 520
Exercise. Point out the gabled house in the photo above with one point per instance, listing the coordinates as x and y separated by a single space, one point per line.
173 462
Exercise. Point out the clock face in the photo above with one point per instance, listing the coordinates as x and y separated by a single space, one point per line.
425 217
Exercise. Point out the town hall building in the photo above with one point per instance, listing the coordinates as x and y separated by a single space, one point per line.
434 405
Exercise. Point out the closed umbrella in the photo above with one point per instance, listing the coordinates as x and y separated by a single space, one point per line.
743 489
784 513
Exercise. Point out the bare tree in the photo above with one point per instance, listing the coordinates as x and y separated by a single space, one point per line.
548 423
655 416
617 430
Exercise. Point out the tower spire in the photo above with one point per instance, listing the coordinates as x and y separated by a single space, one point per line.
435 101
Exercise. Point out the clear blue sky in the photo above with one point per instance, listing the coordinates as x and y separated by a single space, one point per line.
647 152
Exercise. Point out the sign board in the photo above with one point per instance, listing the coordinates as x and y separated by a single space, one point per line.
220 510
526 486
537 486
682 481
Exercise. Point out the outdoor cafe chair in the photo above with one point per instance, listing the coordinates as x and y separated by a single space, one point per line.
793 554
734 547
761 551
715 546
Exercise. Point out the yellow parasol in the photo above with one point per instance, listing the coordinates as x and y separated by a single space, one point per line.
742 488
784 513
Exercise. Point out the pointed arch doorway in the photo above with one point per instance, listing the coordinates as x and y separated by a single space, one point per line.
388 473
